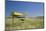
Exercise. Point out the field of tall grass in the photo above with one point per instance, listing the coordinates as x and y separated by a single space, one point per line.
28 23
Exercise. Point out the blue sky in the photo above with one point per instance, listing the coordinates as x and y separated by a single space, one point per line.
32 8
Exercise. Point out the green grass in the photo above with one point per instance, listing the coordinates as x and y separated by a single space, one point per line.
26 24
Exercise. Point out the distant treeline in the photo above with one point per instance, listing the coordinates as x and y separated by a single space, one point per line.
27 17
40 17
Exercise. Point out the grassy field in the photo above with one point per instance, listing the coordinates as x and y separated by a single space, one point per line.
28 23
